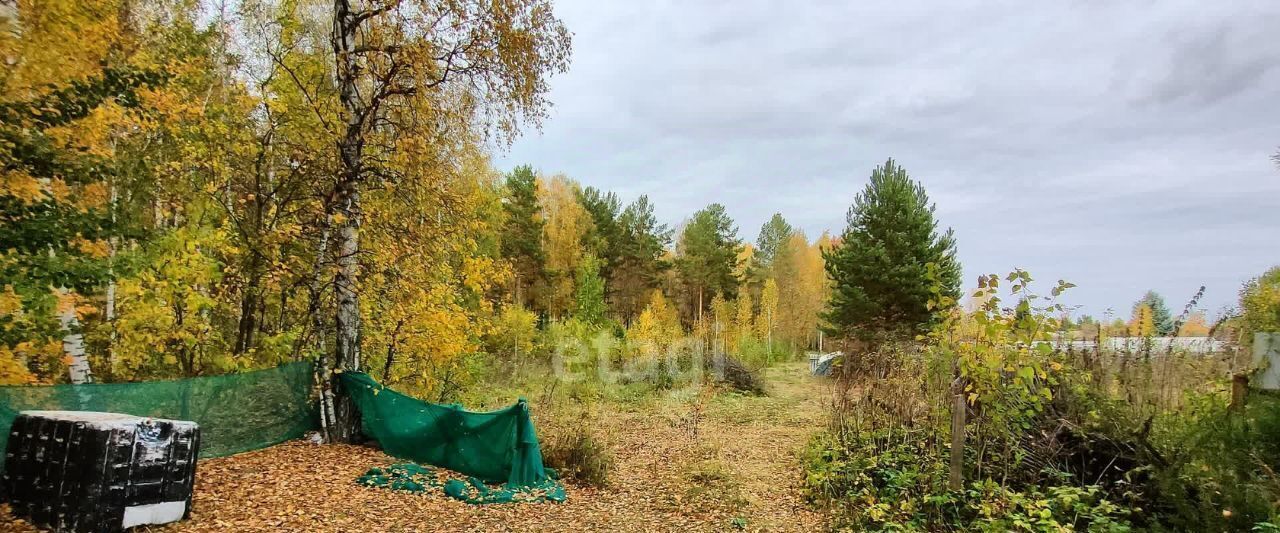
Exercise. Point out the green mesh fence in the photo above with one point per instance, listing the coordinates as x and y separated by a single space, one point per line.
495 447
236 412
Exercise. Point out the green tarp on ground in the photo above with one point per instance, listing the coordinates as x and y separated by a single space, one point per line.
413 477
493 447
236 412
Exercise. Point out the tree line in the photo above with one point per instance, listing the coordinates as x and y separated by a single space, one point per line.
189 193
193 190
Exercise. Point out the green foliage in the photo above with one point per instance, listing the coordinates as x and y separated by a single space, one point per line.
1055 439
1215 469
1001 365
707 256
1260 305
166 312
1161 318
55 215
879 270
514 333
643 241
604 237
522 231
772 241
589 292
753 351
889 480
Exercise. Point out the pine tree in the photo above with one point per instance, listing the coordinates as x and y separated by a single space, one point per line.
642 242
708 253
522 232
772 241
879 272
603 237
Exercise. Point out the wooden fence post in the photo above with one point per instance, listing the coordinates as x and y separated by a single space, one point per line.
1239 391
958 408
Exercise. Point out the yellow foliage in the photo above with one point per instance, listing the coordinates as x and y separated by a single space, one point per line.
164 324
566 221
1194 326
12 371
514 331
10 302
22 187
92 196
426 289
767 318
97 248
60 40
744 307
722 318
96 133
14 361
1142 324
17 360
656 327
802 288
746 258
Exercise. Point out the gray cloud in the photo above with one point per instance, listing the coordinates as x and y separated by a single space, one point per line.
1121 145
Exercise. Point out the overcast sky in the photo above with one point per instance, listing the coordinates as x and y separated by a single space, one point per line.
1123 146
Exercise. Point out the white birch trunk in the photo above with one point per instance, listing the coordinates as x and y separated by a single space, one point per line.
72 339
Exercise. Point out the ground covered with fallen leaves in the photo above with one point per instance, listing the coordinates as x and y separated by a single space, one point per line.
685 461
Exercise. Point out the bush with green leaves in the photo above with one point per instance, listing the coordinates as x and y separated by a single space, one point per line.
891 480
1215 469
1055 440
1260 305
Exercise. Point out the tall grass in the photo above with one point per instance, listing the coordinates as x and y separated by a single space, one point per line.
1104 439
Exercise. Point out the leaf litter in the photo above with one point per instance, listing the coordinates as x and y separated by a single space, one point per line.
301 486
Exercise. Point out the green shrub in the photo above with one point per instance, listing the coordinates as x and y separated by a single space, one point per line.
1055 440
1215 469
897 480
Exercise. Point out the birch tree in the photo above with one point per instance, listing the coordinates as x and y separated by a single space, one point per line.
405 67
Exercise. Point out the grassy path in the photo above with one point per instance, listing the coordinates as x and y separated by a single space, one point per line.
760 440
686 461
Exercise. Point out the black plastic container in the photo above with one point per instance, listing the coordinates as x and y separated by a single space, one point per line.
86 471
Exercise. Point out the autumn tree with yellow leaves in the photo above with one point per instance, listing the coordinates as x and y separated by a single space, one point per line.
193 193
1142 323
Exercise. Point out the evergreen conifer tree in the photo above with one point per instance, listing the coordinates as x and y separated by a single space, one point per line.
522 231
879 272
708 253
